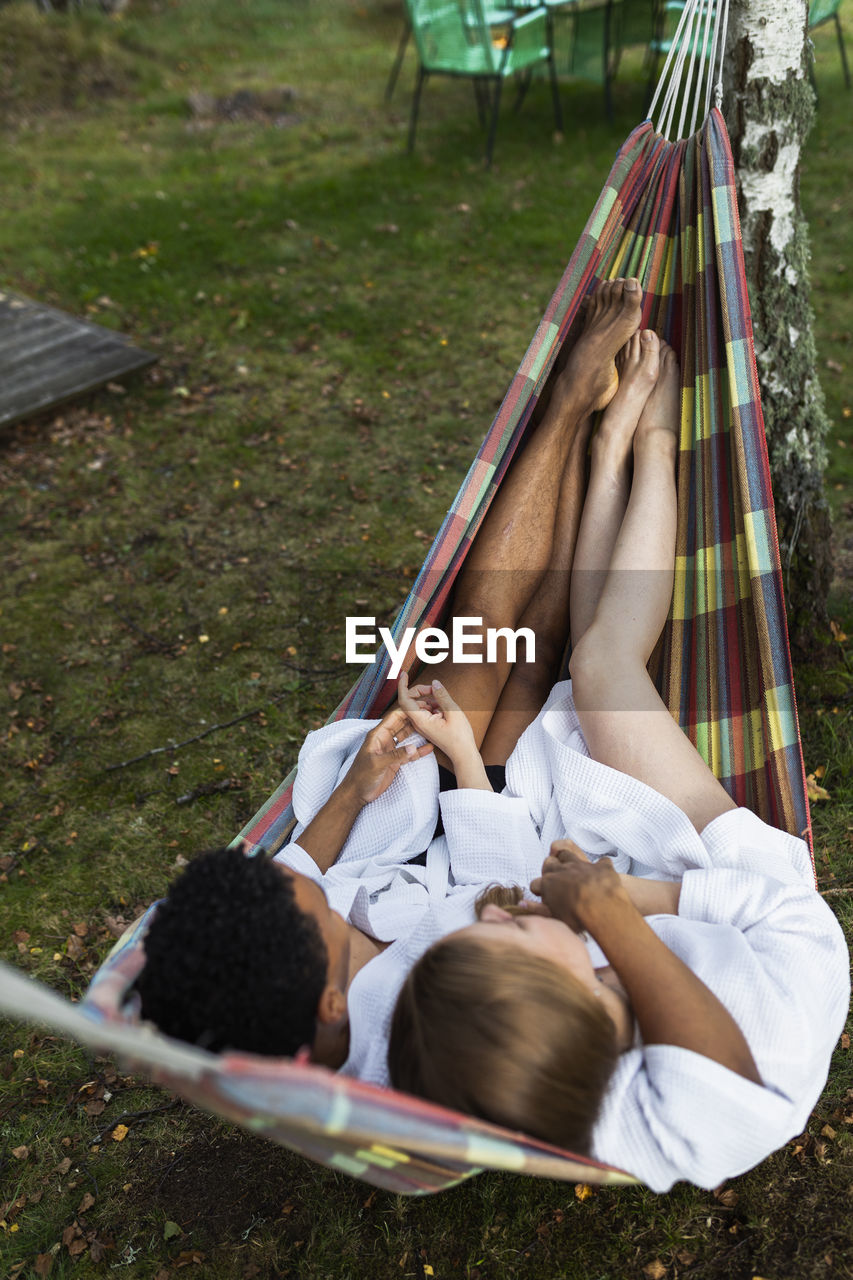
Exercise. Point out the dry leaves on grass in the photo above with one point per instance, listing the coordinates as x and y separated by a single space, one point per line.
655 1270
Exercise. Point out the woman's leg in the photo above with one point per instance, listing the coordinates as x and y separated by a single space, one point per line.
572 583
624 720
610 476
513 549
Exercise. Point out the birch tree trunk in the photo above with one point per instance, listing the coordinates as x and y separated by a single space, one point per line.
769 104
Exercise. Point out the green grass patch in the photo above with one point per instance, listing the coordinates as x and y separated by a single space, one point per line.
337 323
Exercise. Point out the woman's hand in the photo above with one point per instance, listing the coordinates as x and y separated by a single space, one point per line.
379 757
433 713
579 892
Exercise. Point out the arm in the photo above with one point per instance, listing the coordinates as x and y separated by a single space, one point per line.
442 721
372 772
671 1004
652 897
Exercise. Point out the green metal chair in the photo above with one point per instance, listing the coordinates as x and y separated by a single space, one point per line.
459 38
821 11
586 40
496 17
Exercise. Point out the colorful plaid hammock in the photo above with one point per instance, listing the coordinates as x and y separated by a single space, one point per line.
667 214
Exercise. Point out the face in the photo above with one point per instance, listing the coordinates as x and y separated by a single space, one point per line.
312 901
537 935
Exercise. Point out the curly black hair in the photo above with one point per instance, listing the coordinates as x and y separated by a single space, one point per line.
231 962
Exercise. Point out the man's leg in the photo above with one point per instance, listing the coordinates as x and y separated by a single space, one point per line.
514 547
547 616
575 575
624 720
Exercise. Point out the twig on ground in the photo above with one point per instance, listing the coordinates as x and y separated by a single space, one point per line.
209 789
304 673
163 645
134 1115
176 746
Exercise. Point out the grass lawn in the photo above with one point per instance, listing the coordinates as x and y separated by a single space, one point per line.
336 324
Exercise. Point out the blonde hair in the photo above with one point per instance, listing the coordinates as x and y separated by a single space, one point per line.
522 1043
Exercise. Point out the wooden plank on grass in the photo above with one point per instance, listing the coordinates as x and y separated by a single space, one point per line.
48 356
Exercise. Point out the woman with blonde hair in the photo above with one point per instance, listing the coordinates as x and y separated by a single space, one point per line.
676 1023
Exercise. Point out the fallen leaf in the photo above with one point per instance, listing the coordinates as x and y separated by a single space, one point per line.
77 1247
120 1132
43 1264
583 1191
727 1198
814 790
63 1166
20 1153
655 1270
86 1203
828 1131
74 947
845 1040
170 1230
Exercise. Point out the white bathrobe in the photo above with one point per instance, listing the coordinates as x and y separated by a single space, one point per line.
750 924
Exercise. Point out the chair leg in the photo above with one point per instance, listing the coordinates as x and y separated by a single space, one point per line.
552 74
482 102
555 90
416 102
398 60
524 82
606 72
493 128
842 50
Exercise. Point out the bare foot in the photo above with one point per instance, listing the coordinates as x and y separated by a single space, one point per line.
660 420
612 316
638 366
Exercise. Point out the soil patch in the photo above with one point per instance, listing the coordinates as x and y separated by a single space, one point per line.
259 106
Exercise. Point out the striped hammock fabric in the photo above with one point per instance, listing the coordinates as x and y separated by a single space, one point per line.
668 214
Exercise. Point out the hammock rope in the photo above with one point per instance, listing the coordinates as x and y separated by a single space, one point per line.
668 214
701 53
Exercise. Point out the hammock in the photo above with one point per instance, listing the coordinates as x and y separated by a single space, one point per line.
667 214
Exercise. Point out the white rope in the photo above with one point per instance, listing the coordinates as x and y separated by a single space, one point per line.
707 65
693 68
667 81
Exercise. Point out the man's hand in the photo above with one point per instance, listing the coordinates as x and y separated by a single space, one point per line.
379 757
671 1004
579 892
371 772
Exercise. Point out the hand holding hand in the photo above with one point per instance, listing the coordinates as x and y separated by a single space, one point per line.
579 892
379 757
433 713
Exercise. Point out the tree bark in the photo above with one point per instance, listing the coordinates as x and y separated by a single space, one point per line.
769 106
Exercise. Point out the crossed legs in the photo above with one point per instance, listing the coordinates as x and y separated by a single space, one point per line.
517 571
